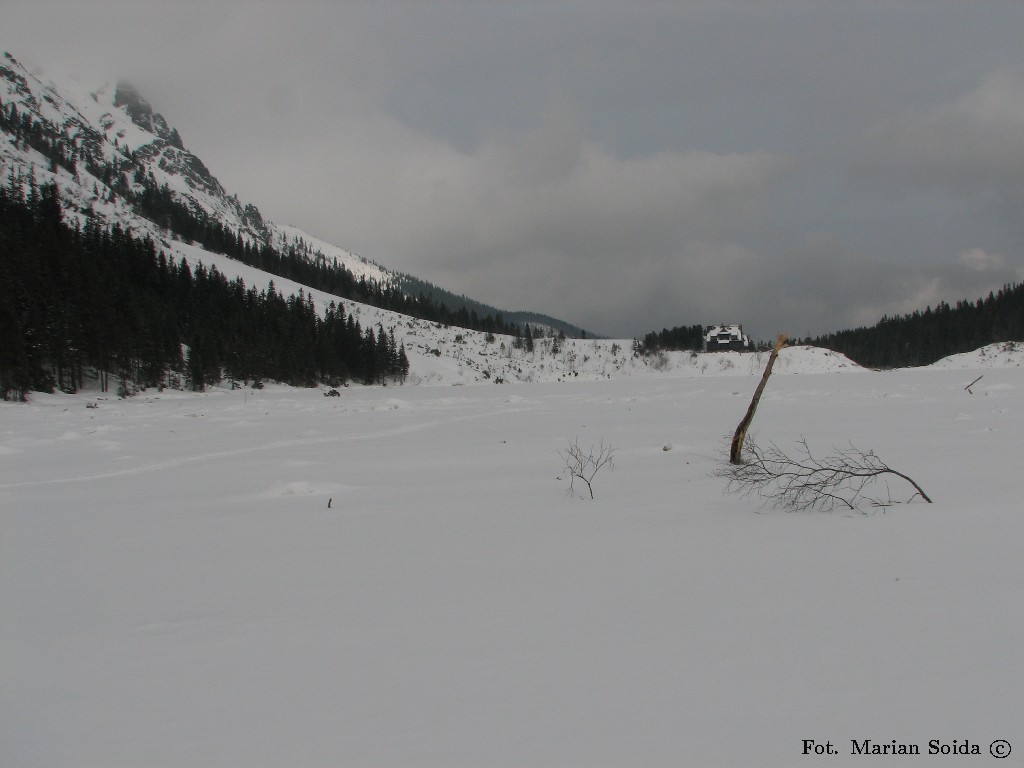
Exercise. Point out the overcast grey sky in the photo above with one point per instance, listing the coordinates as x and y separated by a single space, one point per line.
627 166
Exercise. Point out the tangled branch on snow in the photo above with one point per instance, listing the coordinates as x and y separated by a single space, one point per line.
808 482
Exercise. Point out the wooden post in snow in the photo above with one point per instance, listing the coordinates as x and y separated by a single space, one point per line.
736 451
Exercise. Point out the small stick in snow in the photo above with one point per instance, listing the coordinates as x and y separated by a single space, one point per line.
968 387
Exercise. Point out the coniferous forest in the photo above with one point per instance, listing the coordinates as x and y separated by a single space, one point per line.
918 338
160 206
74 300
921 338
681 337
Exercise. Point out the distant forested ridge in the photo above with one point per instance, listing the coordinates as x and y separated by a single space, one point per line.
921 338
76 300
414 286
918 338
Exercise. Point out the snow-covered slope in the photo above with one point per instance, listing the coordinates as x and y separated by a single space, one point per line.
1008 354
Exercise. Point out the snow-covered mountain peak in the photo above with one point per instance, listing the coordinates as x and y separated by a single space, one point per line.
116 148
142 114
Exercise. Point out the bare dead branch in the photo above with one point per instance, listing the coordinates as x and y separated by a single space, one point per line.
740 438
803 481
583 465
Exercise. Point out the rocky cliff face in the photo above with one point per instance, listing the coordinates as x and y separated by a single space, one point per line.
141 113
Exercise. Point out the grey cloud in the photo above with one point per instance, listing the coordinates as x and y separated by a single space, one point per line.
972 142
553 219
962 161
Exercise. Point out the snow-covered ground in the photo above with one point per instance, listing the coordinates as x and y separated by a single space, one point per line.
397 576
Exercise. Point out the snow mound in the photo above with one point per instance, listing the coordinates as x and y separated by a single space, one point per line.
1006 354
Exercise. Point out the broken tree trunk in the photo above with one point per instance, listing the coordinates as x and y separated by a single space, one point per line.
736 451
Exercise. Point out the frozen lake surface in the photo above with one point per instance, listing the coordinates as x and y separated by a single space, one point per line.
398 577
